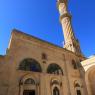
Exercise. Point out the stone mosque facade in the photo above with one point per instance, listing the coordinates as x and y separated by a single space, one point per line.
32 66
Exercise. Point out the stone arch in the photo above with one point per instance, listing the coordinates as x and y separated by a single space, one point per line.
29 84
90 80
30 64
54 68
78 87
30 81
55 82
77 83
56 91
28 76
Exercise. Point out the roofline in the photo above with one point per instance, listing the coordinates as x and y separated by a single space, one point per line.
15 31
28 35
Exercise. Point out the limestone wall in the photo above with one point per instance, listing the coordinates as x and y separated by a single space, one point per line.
23 46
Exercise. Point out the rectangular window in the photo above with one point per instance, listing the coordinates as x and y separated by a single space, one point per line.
78 92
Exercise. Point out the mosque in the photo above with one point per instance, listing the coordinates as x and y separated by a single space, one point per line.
33 66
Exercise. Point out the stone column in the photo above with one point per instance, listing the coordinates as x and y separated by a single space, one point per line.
21 90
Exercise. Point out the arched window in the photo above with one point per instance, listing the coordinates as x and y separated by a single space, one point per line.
54 69
55 91
29 81
74 64
30 65
78 89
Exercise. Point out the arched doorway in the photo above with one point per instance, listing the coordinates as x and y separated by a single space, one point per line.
56 87
29 87
78 89
55 91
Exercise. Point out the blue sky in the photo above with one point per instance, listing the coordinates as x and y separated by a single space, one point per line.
40 18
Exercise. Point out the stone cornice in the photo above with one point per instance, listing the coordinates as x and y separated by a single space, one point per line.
65 15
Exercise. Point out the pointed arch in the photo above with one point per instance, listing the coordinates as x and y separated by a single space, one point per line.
77 85
55 91
77 88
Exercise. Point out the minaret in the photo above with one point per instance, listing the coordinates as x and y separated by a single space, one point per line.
71 43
